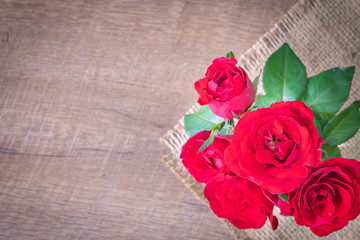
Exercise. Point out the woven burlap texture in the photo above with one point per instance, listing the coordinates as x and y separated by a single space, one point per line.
323 34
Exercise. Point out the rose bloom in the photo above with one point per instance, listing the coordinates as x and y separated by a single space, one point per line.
206 164
240 201
329 198
226 88
275 147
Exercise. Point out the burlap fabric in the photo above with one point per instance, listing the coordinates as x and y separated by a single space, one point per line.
323 34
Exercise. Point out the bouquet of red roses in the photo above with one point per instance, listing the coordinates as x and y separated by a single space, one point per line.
255 151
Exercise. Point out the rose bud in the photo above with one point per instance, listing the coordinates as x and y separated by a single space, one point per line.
226 88
329 198
205 164
240 201
275 147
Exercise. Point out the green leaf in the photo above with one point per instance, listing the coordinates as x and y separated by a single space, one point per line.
227 129
343 126
284 76
317 125
256 82
204 119
327 91
209 140
264 101
230 55
329 152
284 196
319 121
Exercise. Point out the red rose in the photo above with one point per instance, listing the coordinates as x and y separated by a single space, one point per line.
329 198
210 161
275 147
240 201
226 88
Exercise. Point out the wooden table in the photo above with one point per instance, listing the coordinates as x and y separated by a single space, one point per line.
87 88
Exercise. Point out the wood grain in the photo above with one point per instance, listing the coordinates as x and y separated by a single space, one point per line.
87 88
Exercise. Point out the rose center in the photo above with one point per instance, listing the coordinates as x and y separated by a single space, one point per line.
281 147
213 159
271 141
273 144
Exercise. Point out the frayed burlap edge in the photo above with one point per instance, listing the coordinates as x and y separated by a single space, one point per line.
324 34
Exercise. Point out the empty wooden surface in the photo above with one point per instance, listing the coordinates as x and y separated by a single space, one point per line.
87 88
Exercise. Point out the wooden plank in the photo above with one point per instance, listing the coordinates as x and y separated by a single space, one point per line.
86 90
